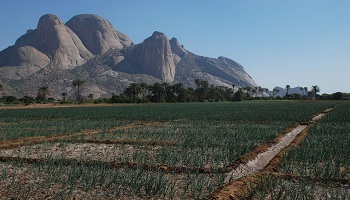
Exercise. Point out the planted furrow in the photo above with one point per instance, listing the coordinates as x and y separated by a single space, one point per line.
250 174
130 142
41 139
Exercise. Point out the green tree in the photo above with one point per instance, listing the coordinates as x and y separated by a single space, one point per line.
314 91
287 88
158 92
1 87
233 87
42 93
78 83
132 91
64 95
143 90
27 100
248 89
180 92
305 92
337 96
238 96
202 89
302 91
91 96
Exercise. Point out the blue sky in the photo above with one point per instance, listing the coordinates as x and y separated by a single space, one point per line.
279 42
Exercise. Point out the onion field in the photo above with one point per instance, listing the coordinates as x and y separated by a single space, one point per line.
167 151
320 167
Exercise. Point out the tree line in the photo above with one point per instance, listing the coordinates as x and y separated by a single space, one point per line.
165 92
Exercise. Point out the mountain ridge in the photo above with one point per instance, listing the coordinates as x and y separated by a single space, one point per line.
88 47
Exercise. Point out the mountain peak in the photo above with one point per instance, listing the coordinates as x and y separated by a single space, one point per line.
49 20
157 57
49 52
176 48
158 34
97 34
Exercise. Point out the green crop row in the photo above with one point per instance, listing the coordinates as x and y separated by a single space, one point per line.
201 134
30 128
276 188
48 121
317 169
325 152
228 111
204 143
59 181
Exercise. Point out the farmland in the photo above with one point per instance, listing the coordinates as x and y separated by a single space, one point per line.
319 168
165 151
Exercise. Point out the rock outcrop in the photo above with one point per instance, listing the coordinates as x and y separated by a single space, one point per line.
156 57
61 44
88 47
97 34
52 44
177 49
124 39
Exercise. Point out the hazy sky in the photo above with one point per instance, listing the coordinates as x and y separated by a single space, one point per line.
279 42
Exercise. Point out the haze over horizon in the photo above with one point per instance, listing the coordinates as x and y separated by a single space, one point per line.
301 43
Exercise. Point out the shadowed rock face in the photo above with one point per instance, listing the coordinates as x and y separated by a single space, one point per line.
97 34
156 57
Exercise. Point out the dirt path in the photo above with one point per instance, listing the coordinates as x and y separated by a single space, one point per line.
250 173
40 139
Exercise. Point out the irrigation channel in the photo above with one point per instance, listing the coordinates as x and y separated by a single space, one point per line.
240 176
249 174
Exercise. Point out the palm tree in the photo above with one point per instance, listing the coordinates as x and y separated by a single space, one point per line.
179 92
302 91
254 91
133 90
198 82
287 88
233 88
305 90
315 89
91 96
143 89
77 83
42 92
1 87
248 89
64 94
158 91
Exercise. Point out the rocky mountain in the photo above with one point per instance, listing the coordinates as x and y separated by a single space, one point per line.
97 34
282 91
88 47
